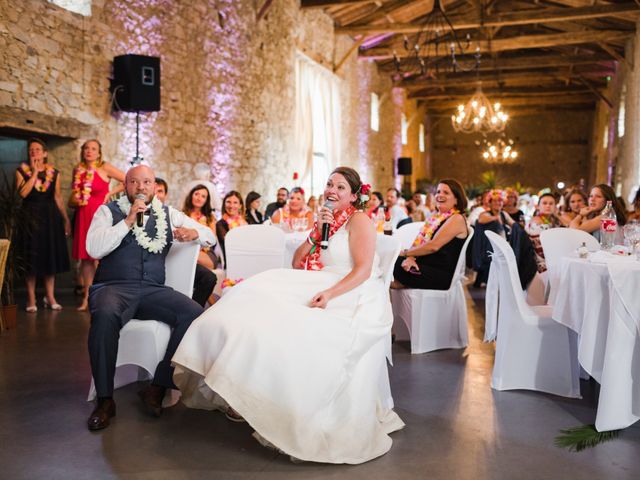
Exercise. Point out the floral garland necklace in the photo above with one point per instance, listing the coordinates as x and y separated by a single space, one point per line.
82 184
287 216
431 225
200 217
312 260
157 244
40 185
235 221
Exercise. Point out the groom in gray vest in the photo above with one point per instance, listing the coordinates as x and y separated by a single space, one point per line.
129 283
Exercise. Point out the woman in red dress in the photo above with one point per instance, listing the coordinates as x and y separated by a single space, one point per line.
90 189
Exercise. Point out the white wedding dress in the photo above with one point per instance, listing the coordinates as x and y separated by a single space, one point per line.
311 382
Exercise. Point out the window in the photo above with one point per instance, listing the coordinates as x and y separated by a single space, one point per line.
605 137
83 7
404 125
421 140
375 112
621 111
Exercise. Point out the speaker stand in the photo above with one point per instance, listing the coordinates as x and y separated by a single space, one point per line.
137 160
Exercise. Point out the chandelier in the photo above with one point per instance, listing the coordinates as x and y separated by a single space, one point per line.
500 151
437 38
479 115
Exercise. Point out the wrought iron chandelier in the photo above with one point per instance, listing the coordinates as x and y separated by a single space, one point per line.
436 39
500 152
479 115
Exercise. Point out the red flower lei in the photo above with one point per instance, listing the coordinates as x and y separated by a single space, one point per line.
312 260
234 222
81 187
40 185
430 226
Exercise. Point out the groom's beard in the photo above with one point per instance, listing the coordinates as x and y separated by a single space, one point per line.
133 199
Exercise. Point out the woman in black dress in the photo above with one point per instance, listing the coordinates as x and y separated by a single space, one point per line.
42 239
431 261
253 215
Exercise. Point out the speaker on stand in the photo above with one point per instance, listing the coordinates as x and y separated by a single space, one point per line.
136 88
404 169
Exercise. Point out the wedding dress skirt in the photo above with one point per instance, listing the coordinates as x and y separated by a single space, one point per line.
312 382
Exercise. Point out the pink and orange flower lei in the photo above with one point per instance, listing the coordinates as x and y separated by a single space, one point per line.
230 282
81 187
233 222
431 225
40 185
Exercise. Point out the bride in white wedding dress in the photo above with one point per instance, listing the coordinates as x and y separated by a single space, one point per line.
300 354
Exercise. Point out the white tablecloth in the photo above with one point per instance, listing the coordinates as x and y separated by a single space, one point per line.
293 241
600 301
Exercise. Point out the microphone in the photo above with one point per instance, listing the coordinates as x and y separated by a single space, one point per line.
324 243
140 215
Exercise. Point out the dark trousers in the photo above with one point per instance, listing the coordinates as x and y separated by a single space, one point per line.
112 305
203 285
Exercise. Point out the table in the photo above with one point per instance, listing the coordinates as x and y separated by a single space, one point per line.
601 302
292 241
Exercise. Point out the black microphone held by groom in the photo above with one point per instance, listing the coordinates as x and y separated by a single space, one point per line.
324 242
140 215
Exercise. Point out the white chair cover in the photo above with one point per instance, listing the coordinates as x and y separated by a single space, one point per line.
387 248
406 234
143 343
533 352
252 249
435 319
558 243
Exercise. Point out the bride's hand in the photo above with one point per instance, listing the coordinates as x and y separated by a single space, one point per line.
324 216
320 300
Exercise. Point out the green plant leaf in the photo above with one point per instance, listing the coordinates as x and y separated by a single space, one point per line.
583 437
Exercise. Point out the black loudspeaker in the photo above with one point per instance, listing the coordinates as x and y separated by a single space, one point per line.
404 166
136 82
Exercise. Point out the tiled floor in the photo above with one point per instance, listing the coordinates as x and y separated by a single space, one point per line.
457 427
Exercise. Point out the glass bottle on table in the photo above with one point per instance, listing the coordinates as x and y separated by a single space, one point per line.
608 227
388 226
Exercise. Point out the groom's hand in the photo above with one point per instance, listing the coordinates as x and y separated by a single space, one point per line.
137 206
183 234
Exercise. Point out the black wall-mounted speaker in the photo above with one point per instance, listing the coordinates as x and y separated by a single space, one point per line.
404 166
136 82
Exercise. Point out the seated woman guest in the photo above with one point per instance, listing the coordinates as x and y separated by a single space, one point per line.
90 189
253 215
375 204
511 205
300 354
44 247
430 263
197 205
574 201
588 220
544 219
294 211
635 214
232 217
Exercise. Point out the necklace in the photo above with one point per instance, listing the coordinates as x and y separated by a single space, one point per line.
157 244
40 185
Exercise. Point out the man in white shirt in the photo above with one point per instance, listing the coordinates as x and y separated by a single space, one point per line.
129 283
396 212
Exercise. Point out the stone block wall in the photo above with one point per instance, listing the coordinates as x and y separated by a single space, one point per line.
228 87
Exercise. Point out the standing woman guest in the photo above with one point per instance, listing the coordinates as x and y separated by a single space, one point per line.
43 239
89 190
294 209
574 201
253 215
197 205
431 261
588 220
232 217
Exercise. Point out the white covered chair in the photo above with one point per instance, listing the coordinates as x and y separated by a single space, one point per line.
143 343
558 243
252 249
533 352
435 319
388 249
406 234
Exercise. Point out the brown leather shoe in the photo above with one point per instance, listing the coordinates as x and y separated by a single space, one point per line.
152 399
101 416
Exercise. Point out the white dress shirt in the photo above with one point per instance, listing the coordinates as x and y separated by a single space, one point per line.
397 214
103 237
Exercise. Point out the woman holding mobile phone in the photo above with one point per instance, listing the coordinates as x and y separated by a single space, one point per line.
431 261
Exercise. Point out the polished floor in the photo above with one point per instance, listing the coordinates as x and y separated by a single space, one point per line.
457 426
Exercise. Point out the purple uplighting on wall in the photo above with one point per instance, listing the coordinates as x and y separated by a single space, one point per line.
364 118
397 97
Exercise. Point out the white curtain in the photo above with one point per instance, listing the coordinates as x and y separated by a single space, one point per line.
317 118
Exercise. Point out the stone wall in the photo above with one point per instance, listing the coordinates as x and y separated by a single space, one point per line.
228 88
552 147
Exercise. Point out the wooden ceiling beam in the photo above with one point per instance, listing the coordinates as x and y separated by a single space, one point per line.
309 4
514 43
510 102
507 92
521 17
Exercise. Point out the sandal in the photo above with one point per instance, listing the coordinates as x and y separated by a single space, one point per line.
234 416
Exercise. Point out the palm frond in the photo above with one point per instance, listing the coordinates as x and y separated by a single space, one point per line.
583 437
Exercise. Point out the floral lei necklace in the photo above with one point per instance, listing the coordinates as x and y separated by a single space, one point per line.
235 221
431 226
41 185
157 244
82 180
312 260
